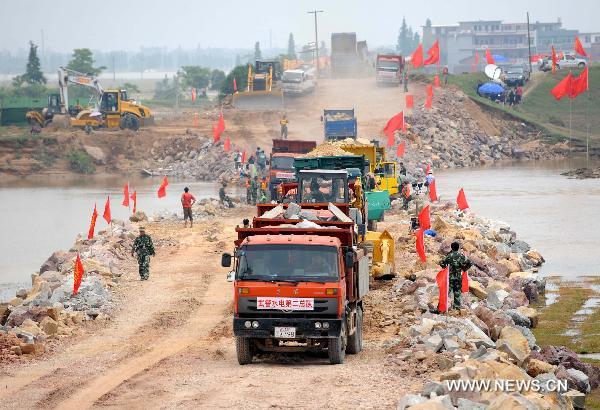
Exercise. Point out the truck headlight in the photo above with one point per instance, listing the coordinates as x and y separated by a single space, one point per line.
325 325
317 325
255 324
247 324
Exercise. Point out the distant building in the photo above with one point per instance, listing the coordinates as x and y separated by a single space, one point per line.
509 41
591 43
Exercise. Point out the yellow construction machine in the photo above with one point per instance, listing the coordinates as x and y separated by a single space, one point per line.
384 171
110 108
263 91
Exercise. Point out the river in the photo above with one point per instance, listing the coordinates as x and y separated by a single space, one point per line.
43 214
558 216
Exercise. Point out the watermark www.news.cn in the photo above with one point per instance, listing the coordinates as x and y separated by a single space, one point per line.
504 385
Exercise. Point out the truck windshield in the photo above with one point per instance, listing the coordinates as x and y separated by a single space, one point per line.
292 263
388 65
292 77
323 188
282 163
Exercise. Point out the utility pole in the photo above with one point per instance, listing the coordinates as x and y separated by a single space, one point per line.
529 42
316 39
114 70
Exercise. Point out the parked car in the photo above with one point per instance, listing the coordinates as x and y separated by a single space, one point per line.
514 76
567 61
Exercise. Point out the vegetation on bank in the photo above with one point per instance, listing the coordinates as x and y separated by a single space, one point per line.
540 108
81 162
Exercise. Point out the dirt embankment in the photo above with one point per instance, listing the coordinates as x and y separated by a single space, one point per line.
455 132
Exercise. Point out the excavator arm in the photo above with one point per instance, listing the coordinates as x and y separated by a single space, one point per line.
66 77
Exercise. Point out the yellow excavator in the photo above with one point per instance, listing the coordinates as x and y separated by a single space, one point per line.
111 108
263 91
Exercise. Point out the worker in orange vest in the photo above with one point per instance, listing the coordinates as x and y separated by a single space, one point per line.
406 197
263 190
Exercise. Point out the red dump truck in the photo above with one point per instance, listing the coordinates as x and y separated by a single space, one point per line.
298 288
389 69
282 161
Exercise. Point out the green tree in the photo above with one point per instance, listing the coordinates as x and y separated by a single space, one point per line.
131 88
167 89
257 52
216 79
416 40
83 61
240 73
291 54
194 76
410 44
428 22
33 72
238 60
402 37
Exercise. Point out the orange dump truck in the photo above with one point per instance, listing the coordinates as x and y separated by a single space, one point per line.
298 287
281 165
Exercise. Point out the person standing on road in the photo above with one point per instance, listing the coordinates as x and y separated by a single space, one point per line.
445 74
254 189
406 195
187 200
457 264
284 127
429 178
405 80
519 94
143 248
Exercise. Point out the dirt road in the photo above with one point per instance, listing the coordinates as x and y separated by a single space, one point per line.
170 345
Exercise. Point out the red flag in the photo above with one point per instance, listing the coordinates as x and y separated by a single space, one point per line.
126 195
93 223
420 243
193 94
443 281
476 58
429 90
554 60
561 56
424 218
579 84
563 87
244 157
488 56
216 135
395 123
134 199
416 57
432 191
406 190
475 62
400 149
106 214
162 190
436 80
409 101
579 48
227 144
433 53
461 200
428 102
428 169
234 85
221 124
465 282
77 274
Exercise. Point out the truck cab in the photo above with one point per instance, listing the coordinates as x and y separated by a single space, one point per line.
389 69
297 289
281 164
297 82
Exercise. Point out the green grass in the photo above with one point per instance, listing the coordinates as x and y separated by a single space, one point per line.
81 161
541 109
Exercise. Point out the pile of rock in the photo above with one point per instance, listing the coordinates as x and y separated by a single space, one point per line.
193 157
447 136
583 173
49 310
491 337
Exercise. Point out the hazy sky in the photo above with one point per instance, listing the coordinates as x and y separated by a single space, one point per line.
130 24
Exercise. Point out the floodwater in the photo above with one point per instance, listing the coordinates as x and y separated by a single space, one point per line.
559 217
43 214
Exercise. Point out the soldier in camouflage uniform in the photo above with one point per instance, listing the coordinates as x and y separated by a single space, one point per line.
144 248
457 262
223 196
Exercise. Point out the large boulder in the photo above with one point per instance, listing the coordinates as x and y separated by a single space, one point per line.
512 342
477 289
96 153
495 298
535 367
561 356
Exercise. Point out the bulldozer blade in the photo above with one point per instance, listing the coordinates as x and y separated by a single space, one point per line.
258 100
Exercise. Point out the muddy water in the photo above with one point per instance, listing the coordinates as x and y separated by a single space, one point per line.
560 217
41 215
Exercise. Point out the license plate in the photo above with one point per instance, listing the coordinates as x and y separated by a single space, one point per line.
285 332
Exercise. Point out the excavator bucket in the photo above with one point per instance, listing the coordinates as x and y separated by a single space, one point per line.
258 100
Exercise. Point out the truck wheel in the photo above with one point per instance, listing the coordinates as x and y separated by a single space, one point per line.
337 347
581 66
130 122
355 340
372 225
243 350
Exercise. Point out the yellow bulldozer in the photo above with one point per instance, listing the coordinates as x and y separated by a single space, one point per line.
263 91
110 108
